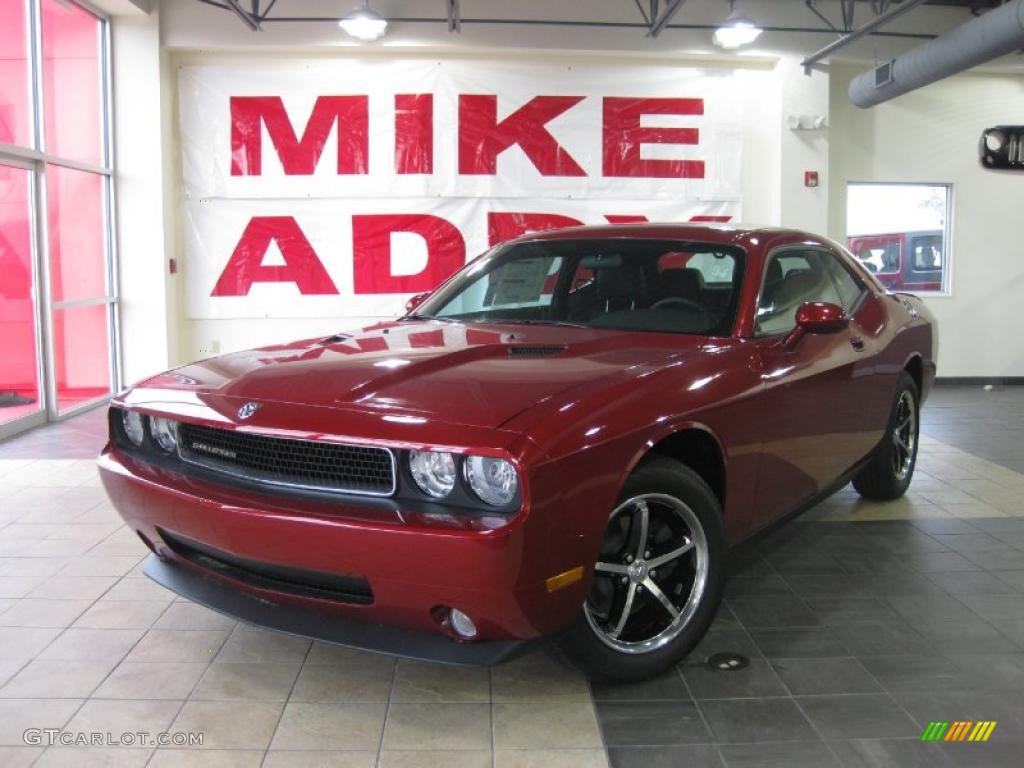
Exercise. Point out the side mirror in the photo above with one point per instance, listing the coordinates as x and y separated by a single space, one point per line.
816 317
415 301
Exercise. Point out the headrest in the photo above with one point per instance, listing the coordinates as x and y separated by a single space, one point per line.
774 273
624 282
796 286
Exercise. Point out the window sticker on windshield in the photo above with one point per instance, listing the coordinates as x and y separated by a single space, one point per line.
521 281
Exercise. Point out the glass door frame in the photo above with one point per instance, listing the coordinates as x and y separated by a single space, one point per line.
42 414
36 160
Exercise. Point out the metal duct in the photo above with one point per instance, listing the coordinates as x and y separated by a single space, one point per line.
996 33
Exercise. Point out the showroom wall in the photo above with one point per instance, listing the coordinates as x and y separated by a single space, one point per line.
884 144
931 135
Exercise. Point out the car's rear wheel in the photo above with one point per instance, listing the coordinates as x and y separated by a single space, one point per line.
658 578
887 475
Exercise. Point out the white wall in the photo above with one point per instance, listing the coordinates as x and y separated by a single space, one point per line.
148 319
931 135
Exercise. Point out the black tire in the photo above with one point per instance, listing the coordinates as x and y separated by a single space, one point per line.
880 480
657 480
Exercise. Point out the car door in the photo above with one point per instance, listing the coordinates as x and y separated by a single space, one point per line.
814 391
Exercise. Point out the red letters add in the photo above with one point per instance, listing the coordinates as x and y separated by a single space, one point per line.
482 137
414 133
371 247
245 267
299 157
624 135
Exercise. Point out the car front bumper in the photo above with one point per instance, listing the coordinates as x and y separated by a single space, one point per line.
415 570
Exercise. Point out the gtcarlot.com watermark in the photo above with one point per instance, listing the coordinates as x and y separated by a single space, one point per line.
52 737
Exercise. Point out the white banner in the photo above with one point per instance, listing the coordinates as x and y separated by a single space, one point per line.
339 188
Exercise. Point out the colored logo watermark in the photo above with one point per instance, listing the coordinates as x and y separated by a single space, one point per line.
958 730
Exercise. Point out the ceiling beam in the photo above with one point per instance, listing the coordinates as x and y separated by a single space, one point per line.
245 16
813 8
671 9
454 16
894 12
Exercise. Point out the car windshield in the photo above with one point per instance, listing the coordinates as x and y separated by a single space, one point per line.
668 286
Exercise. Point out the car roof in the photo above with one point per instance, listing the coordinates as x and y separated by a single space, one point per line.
725 234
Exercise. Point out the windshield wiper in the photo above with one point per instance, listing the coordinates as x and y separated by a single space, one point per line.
539 322
431 317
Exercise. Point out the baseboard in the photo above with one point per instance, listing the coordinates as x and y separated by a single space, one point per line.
997 381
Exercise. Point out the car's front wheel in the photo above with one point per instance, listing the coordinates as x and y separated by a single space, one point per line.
658 578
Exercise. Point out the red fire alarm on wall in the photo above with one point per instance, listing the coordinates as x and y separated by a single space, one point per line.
810 178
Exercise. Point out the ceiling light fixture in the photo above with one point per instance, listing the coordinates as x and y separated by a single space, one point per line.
737 31
363 24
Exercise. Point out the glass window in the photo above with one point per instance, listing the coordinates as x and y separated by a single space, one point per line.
646 285
901 233
847 286
19 368
64 118
15 107
72 82
791 279
81 354
926 251
78 259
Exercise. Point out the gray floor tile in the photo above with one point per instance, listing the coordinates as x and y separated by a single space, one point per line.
794 754
858 716
772 611
650 723
802 642
756 680
889 753
723 641
667 686
690 755
750 720
822 676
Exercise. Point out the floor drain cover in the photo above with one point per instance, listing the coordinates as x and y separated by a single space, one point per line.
728 662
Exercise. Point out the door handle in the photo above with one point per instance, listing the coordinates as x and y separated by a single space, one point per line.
857 343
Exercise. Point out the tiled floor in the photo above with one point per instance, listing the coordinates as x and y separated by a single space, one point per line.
862 623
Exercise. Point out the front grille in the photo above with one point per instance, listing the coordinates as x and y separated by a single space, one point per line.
343 588
298 464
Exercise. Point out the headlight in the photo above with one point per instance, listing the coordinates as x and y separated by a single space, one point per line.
493 480
165 432
131 422
434 472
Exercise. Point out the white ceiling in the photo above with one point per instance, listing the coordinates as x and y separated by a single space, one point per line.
189 24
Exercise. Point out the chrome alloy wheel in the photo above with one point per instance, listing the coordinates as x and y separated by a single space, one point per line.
650 576
904 436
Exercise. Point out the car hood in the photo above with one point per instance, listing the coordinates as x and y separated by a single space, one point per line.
472 374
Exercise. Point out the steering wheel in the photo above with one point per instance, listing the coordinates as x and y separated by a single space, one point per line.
679 301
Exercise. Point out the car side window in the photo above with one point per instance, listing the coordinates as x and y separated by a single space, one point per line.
927 251
847 286
790 279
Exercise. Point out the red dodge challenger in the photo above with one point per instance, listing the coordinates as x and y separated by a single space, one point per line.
560 442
